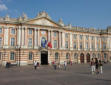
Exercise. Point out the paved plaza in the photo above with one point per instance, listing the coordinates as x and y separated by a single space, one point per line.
77 74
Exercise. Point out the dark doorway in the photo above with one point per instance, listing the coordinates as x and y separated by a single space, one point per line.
44 58
82 58
88 57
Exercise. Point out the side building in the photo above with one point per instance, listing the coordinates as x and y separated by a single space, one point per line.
24 40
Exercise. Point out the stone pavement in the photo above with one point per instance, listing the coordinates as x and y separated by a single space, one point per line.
77 74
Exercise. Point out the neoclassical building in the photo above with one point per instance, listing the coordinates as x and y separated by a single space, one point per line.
24 40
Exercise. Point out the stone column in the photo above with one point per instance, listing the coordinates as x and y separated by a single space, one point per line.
6 36
59 40
38 32
90 43
71 48
84 39
78 42
35 38
95 44
51 38
63 40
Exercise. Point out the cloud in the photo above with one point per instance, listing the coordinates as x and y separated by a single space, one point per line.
3 7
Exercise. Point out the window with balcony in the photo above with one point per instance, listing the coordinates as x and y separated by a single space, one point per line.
81 45
74 36
12 41
55 43
87 37
66 44
74 46
55 34
30 42
12 31
30 31
86 45
66 35
81 37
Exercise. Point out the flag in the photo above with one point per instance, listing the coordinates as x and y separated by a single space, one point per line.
49 44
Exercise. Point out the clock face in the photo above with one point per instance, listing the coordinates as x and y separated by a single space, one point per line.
43 32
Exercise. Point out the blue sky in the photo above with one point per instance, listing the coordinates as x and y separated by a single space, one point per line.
83 13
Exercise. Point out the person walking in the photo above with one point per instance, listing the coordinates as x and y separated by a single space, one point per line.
35 65
97 65
92 64
101 66
65 65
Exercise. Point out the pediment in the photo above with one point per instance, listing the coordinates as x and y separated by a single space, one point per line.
43 21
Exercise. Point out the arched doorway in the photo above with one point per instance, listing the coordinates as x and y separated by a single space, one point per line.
82 58
88 57
93 55
68 57
56 57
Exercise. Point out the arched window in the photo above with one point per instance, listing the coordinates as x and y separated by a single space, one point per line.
30 55
105 55
75 56
67 55
94 55
56 56
12 56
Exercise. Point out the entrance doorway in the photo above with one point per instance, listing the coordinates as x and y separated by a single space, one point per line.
88 57
82 58
44 58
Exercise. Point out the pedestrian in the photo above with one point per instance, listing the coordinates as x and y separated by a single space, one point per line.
35 65
100 66
92 64
65 65
97 65
55 65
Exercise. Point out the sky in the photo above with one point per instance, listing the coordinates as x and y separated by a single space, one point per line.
81 13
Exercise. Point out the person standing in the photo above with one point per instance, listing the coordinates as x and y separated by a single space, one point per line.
101 66
92 63
35 65
65 65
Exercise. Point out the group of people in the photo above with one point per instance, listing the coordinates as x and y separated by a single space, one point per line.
96 66
58 65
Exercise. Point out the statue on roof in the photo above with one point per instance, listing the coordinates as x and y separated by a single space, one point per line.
43 14
24 16
61 22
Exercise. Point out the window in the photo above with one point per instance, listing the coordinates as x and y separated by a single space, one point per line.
81 36
12 56
74 45
87 45
87 37
92 46
56 56
80 45
66 44
66 35
30 55
12 41
0 30
55 43
30 31
12 31
105 55
0 56
94 55
0 41
55 34
104 45
30 42
92 38
74 36
67 56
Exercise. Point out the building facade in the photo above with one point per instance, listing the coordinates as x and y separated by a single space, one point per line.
24 40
